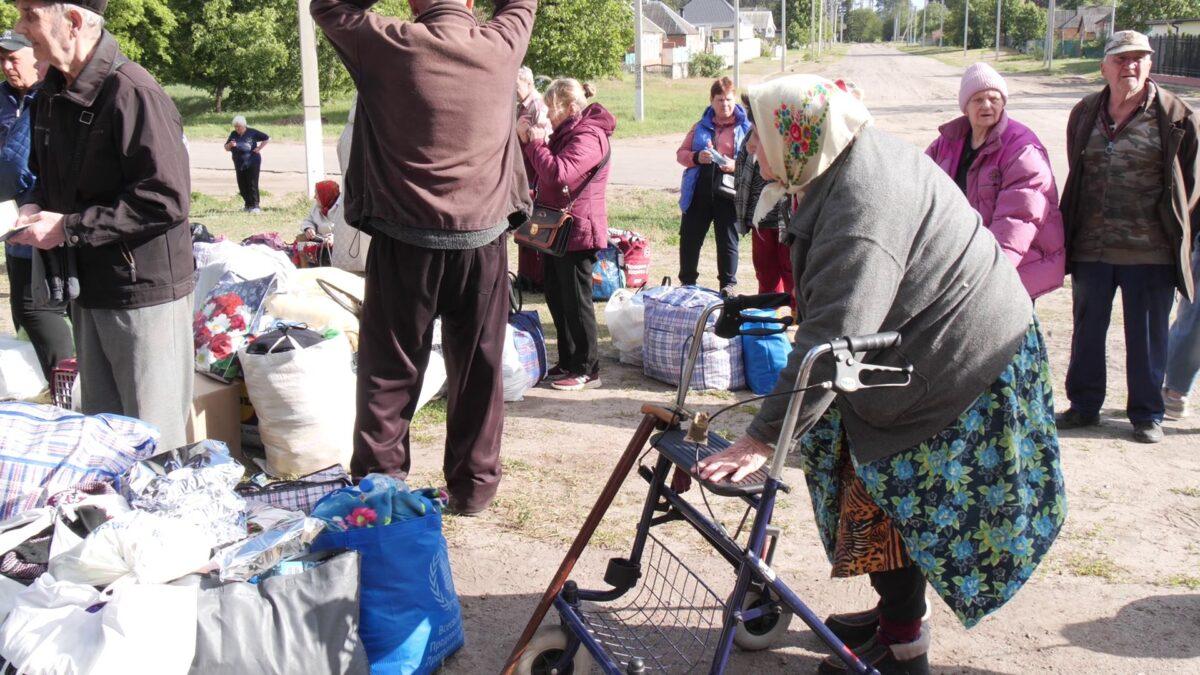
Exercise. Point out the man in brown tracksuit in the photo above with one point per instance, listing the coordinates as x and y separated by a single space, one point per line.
436 177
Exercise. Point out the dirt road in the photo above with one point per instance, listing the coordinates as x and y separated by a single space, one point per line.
1119 593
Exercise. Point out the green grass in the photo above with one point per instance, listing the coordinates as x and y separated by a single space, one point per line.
1186 492
280 122
224 216
1191 583
1010 61
1095 565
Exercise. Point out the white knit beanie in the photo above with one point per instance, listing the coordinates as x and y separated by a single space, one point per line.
980 76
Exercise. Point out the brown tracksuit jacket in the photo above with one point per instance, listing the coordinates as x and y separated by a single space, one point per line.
435 113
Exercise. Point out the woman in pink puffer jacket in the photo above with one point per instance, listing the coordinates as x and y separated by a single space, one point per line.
1005 172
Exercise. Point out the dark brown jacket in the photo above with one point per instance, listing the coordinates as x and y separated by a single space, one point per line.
128 214
1180 130
434 137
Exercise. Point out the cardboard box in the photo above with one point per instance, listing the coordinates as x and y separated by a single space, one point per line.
216 413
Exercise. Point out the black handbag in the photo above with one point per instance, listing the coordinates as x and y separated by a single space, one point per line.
548 229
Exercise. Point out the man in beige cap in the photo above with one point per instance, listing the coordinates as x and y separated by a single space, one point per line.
1127 209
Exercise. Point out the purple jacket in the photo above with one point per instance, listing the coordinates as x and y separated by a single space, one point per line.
1011 185
577 147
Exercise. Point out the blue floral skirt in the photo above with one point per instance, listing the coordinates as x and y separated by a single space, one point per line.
976 507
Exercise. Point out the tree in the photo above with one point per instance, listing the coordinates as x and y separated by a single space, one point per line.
1022 21
144 29
248 51
1134 14
584 39
863 25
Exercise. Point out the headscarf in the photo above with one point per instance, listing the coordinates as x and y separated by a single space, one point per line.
327 195
804 122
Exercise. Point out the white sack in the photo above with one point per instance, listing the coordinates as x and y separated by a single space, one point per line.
305 405
516 378
151 548
247 262
304 301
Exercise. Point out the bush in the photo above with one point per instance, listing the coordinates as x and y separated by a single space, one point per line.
707 65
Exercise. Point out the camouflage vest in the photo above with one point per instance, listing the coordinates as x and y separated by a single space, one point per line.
1121 197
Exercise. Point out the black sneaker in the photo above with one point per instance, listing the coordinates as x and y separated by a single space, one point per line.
854 628
1073 419
906 659
1147 432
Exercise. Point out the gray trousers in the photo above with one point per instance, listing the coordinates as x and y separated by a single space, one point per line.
138 363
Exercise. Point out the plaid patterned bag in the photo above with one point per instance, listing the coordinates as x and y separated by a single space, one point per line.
46 450
300 494
670 321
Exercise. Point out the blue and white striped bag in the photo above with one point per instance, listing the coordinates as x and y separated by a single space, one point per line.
670 321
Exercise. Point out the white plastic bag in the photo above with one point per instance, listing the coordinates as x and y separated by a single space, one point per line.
248 262
516 378
349 245
20 373
150 548
433 382
624 315
61 628
305 402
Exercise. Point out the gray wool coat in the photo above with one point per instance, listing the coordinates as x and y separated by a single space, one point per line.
885 241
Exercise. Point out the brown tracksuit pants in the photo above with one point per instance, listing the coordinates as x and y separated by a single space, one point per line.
406 288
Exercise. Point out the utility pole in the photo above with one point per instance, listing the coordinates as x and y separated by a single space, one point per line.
942 26
924 22
737 43
821 29
812 28
1113 28
639 95
314 150
1050 21
783 34
895 21
998 11
967 24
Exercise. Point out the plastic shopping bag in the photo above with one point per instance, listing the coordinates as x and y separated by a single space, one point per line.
63 628
410 619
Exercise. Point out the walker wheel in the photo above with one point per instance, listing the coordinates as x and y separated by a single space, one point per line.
546 649
761 633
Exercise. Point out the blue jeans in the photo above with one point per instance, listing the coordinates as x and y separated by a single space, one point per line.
1147 293
1183 354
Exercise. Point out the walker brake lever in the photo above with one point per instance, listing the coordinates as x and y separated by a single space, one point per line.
849 374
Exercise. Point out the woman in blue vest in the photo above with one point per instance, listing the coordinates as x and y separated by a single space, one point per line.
708 187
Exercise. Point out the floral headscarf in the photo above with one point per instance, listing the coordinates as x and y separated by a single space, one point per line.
804 122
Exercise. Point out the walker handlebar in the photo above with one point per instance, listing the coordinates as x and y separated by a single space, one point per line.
867 343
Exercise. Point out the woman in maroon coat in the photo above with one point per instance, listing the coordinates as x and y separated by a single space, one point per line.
562 163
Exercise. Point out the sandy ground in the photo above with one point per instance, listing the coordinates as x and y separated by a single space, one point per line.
1119 592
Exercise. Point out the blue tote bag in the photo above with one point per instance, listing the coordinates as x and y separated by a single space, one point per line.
409 618
765 355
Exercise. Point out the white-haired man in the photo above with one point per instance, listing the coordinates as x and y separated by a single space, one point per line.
1127 207
110 215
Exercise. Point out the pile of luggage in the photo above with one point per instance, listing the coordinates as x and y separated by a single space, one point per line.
116 557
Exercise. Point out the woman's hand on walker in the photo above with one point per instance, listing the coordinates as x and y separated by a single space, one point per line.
739 460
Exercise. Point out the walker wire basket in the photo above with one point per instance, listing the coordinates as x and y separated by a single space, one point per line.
671 623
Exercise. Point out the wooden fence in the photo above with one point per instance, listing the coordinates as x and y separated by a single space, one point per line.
1176 55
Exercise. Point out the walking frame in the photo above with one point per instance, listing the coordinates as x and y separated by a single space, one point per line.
658 615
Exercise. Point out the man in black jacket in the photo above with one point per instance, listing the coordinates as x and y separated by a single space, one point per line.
113 196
